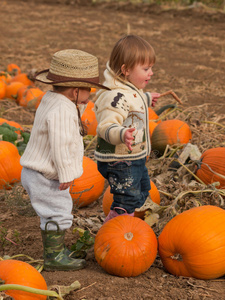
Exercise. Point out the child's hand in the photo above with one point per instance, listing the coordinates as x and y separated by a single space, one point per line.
155 97
63 186
128 138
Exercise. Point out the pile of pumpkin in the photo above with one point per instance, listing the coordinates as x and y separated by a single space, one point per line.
17 86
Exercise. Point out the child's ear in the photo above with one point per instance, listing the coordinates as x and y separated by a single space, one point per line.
74 93
124 70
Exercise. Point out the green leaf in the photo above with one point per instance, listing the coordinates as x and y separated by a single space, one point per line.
25 136
8 134
84 243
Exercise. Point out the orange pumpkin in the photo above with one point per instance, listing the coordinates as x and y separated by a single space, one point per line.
211 167
38 100
2 89
89 187
22 77
88 119
6 77
12 89
22 273
152 125
92 127
170 132
192 244
10 168
29 97
108 200
12 123
21 91
13 69
125 246
152 115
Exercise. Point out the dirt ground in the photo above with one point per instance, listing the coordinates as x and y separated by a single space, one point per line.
190 49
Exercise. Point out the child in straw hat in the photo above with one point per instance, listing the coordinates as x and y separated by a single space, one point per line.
123 132
53 157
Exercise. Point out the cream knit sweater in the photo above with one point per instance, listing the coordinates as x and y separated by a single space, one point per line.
55 148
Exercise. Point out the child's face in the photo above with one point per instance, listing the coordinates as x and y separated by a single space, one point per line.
83 95
139 75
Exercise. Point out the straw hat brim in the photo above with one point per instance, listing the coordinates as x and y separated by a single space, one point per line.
70 82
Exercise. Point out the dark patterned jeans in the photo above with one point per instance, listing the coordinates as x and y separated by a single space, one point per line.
129 182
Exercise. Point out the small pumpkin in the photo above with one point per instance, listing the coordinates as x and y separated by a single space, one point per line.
192 244
23 77
22 273
13 69
6 77
89 187
125 246
12 89
2 89
29 97
170 132
10 168
211 167
107 200
20 92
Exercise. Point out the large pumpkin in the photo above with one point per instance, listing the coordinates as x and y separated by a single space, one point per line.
89 187
211 167
151 125
125 246
10 168
22 273
192 244
170 132
108 200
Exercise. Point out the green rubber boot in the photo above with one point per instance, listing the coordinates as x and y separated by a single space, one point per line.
56 256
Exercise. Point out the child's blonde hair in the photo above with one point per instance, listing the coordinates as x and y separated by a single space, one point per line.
131 50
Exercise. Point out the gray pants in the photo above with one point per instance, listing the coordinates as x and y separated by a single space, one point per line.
48 201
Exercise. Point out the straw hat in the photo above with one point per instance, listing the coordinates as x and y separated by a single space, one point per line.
72 68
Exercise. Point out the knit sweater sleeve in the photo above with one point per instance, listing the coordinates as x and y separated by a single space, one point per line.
64 147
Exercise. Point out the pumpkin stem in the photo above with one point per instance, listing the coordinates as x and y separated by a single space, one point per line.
177 256
19 287
128 236
162 109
